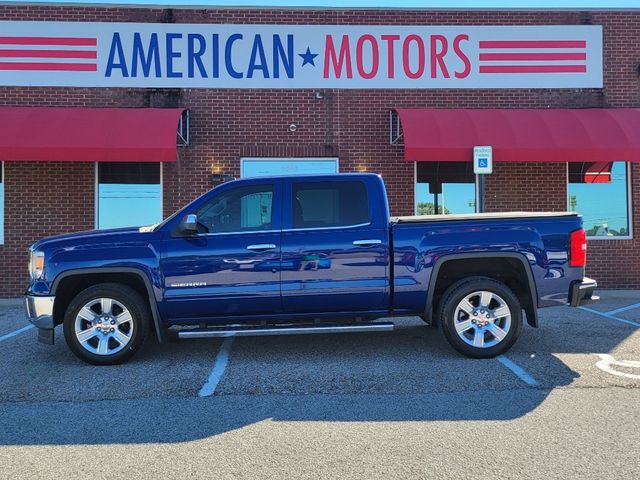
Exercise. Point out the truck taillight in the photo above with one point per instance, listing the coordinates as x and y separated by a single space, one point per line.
578 248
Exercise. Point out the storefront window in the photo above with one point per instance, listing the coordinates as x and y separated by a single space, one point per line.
261 167
129 194
600 193
445 188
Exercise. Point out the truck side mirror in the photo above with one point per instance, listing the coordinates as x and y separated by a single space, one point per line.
189 224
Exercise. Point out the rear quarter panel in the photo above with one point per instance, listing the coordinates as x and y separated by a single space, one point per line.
541 242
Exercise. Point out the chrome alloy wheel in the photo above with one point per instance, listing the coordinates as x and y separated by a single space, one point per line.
482 319
104 326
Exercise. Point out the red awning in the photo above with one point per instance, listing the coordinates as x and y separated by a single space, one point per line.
522 135
88 134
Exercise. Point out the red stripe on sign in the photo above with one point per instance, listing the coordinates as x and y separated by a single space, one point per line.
70 67
48 53
533 68
532 56
534 44
48 41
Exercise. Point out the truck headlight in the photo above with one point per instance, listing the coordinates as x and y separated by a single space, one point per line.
36 264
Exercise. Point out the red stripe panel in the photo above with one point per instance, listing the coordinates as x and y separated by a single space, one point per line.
533 44
70 67
49 53
532 56
48 41
533 68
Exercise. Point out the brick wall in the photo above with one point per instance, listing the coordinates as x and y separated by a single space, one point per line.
39 200
43 199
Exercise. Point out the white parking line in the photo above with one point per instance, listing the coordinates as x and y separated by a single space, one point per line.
624 309
608 315
17 332
218 369
518 370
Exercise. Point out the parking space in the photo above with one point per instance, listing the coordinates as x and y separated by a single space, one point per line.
567 351
31 371
399 404
12 317
411 359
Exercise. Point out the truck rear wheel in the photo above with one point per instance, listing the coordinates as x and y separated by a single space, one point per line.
106 324
480 317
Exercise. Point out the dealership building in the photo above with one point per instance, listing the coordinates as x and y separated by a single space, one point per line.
118 116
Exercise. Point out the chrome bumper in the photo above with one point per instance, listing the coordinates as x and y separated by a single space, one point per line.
40 311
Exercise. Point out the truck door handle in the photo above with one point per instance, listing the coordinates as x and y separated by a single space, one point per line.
367 243
259 247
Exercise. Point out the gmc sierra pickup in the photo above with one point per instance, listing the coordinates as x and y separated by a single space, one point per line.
305 254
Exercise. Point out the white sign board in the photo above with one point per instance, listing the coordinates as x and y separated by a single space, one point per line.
482 160
79 54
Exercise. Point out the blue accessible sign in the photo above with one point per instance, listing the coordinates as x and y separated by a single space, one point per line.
482 160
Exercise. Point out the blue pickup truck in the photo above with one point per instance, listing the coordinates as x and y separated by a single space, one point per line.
305 254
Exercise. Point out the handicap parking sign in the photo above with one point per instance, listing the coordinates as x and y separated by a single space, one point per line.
482 160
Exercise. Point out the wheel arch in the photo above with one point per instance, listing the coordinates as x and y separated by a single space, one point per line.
520 276
70 283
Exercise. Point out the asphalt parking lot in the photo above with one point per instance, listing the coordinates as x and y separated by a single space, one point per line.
564 402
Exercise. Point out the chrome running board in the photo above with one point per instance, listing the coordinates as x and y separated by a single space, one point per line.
286 330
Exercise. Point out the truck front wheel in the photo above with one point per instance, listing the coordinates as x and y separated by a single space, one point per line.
480 317
106 324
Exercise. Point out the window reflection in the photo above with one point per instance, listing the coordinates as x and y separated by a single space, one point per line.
129 194
445 188
602 198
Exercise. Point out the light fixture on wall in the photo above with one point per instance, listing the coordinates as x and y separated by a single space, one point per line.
217 177
318 94
293 127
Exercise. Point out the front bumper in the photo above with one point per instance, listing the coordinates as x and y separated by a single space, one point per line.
581 292
40 311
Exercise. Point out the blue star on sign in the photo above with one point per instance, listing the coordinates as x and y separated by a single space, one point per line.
308 57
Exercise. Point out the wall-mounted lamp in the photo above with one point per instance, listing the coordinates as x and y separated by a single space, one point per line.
293 127
319 95
218 178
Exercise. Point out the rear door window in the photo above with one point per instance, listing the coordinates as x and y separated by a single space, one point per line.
329 204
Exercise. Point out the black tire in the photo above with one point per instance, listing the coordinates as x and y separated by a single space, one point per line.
123 300
482 329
